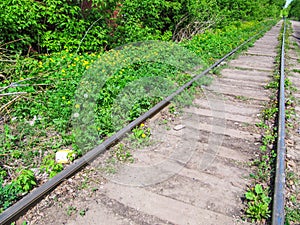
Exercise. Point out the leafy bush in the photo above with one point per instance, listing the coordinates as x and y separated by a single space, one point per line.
294 11
51 25
12 191
214 43
54 25
236 10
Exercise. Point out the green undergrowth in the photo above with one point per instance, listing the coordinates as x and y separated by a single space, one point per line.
37 100
213 44
260 194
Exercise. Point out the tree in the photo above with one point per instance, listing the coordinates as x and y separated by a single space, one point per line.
294 12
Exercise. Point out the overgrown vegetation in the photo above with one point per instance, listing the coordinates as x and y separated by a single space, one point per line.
53 25
294 10
259 195
259 202
46 50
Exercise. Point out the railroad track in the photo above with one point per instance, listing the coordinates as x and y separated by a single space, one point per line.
196 169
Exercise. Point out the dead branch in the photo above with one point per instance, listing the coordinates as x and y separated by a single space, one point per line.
19 93
10 42
8 60
193 28
15 84
13 93
9 103
1 75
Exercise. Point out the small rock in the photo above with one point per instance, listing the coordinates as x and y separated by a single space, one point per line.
179 127
293 187
289 156
291 164
289 143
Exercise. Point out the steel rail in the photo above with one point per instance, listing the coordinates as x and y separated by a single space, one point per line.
278 200
35 195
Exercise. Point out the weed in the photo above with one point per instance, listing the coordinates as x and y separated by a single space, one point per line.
240 97
292 215
292 209
25 181
258 206
172 108
110 169
94 189
12 191
84 184
50 166
8 194
140 136
123 154
262 125
258 203
296 70
71 210
82 212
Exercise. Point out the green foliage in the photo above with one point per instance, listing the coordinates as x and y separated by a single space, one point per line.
54 25
12 191
140 135
19 21
141 131
50 166
294 12
82 212
235 10
25 181
258 203
51 25
292 215
8 194
122 153
284 12
71 210
213 44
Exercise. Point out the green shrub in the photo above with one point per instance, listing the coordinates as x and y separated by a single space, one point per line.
294 11
54 25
